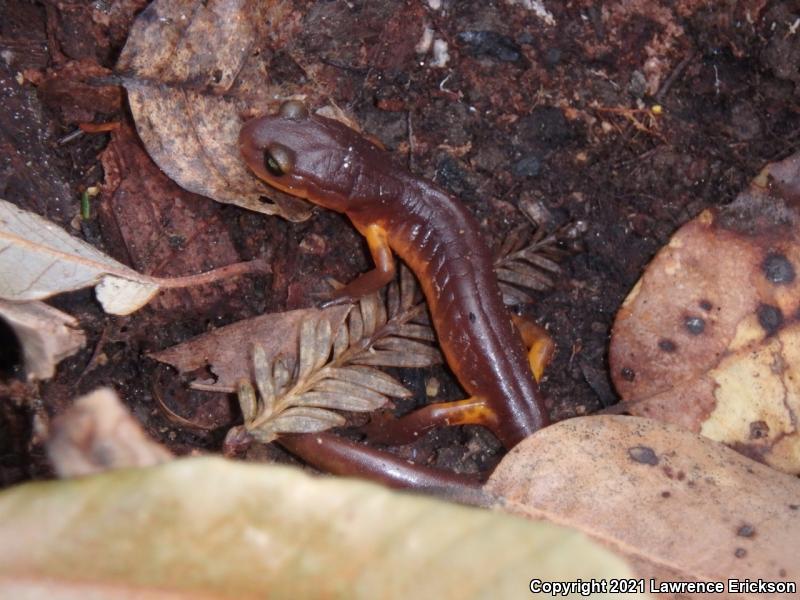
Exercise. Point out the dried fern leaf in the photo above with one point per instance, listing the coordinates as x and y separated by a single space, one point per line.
393 358
415 331
514 296
370 314
355 325
340 401
369 378
518 276
340 342
306 419
540 260
345 388
247 400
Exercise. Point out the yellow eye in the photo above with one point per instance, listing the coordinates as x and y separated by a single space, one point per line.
278 160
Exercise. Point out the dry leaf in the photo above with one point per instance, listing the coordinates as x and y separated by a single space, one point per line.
209 528
321 383
680 506
39 259
162 230
46 335
225 352
191 70
98 434
708 338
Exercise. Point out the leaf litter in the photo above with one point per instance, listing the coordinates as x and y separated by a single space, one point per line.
189 105
38 260
708 338
315 364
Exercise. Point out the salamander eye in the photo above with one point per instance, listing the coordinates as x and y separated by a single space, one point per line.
278 160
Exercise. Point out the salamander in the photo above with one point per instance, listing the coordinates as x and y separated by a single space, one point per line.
329 164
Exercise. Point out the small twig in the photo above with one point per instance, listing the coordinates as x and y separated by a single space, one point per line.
234 270
677 72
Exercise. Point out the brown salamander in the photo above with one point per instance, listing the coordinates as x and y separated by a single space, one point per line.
328 163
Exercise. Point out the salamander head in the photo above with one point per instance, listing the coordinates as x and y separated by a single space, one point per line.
306 155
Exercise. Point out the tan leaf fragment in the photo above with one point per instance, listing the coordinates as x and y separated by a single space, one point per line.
98 434
708 337
47 335
38 260
209 528
678 505
191 70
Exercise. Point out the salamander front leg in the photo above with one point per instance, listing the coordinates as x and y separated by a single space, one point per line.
371 281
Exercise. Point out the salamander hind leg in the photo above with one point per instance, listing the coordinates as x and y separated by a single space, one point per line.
538 342
391 431
371 281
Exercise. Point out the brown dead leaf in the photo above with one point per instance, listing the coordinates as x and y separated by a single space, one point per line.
225 351
192 71
47 335
679 506
98 434
68 88
709 337
161 229
378 331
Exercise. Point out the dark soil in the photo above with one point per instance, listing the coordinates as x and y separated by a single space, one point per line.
616 124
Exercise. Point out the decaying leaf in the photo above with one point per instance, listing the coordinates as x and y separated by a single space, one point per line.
327 376
98 434
709 337
209 528
188 104
46 335
678 505
39 259
162 230
378 331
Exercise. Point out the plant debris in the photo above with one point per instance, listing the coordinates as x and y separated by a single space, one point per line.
709 338
39 259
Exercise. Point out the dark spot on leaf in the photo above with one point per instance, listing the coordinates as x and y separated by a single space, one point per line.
706 305
644 455
471 317
777 268
217 75
769 317
740 553
666 494
628 374
695 325
746 530
794 506
667 345
759 430
782 573
680 476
